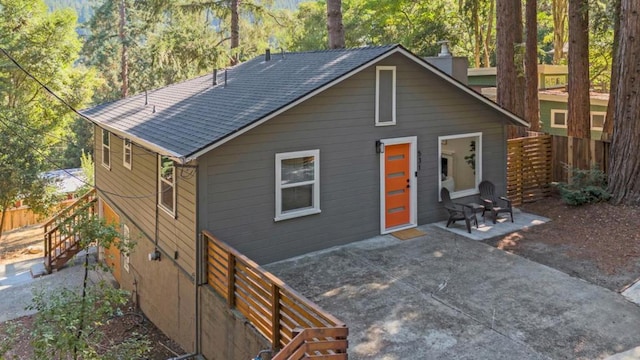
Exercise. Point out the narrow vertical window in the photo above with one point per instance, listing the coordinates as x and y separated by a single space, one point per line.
126 153
125 255
167 185
106 148
385 95
297 184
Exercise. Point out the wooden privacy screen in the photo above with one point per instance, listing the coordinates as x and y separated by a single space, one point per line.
528 168
289 320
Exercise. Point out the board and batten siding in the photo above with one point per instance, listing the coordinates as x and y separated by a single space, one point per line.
547 106
132 194
237 180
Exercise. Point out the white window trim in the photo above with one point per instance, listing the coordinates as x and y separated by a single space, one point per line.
467 192
315 209
106 148
173 186
125 236
126 147
413 183
559 111
393 96
603 114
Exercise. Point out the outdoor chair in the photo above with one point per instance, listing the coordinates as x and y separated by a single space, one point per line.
491 201
458 211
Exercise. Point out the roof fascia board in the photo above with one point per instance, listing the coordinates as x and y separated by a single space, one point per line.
275 113
565 98
138 141
516 120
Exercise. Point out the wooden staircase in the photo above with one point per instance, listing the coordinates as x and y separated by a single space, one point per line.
61 242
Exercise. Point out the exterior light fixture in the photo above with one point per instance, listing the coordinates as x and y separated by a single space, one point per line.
155 255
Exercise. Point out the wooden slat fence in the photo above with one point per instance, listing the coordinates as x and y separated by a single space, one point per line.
23 216
529 168
277 311
569 152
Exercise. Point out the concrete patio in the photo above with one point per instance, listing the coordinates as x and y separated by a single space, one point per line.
445 296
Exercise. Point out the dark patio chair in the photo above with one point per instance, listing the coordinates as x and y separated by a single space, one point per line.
458 211
491 201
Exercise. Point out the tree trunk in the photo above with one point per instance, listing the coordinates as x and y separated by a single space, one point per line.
334 24
2 217
235 32
506 77
559 9
607 130
624 165
578 122
477 35
124 59
487 39
518 59
532 105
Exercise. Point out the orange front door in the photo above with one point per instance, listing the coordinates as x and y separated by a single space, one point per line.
112 254
397 185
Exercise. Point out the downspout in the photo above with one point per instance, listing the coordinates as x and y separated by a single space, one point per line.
198 279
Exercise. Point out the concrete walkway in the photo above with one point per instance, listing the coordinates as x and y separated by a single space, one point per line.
444 296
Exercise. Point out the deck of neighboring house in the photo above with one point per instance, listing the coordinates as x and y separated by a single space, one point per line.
444 296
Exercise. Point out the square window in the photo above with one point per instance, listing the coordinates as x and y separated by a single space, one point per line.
460 163
297 184
106 148
126 153
597 120
385 95
559 118
167 185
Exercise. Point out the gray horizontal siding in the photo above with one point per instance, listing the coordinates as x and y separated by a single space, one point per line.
133 195
237 190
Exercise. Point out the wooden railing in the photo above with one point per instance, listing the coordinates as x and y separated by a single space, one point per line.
60 240
311 343
289 320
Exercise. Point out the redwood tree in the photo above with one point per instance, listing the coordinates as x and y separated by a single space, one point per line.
578 122
334 24
624 165
559 11
507 89
531 104
607 131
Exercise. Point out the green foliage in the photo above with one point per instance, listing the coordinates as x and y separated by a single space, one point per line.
416 25
587 187
62 313
9 336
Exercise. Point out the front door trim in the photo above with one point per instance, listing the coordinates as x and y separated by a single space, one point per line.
413 194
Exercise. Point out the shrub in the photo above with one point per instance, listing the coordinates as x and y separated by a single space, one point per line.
587 187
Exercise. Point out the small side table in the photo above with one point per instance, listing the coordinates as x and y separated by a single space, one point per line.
477 208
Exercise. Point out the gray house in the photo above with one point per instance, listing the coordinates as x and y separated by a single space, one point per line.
283 155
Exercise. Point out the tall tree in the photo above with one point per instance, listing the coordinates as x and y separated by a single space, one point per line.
478 15
335 28
607 130
578 122
506 50
235 31
124 57
559 10
532 105
624 165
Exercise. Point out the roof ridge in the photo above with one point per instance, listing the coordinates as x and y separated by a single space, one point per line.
359 48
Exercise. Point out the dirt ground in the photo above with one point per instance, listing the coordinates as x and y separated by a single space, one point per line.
27 243
599 243
22 244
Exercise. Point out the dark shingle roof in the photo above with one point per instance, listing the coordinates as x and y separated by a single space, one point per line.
194 114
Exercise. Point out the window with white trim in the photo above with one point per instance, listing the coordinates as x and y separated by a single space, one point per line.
460 163
126 153
558 118
167 184
385 95
106 148
125 239
597 120
297 184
